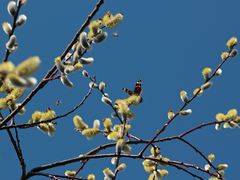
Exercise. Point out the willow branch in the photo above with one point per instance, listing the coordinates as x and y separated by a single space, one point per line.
181 108
42 83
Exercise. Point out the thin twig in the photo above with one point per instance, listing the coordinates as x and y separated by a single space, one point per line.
56 176
26 125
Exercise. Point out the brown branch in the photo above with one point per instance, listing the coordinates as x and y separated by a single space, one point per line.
99 156
187 171
12 32
42 83
201 154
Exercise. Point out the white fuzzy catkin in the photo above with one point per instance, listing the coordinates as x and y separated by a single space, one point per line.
7 28
21 20
12 8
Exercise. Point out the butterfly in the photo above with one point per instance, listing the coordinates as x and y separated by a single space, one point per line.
137 89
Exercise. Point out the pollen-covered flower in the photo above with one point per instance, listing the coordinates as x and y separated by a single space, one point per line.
91 177
79 123
59 64
101 86
183 96
90 132
199 91
28 67
225 55
121 167
206 72
119 145
232 42
211 157
107 123
111 21
206 85
108 173
70 173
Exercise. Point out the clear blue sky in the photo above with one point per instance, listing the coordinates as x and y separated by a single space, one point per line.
164 43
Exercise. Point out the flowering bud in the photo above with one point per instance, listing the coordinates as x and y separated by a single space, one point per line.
101 86
108 173
170 114
233 53
224 56
12 8
199 91
114 160
11 42
17 81
107 123
85 61
218 72
206 85
68 69
70 173
51 129
218 126
185 112
83 41
96 124
91 177
28 67
222 166
183 95
79 123
7 28
65 81
100 37
59 64
106 100
206 72
211 157
21 20
232 42
121 167
90 132
93 85
119 145
85 73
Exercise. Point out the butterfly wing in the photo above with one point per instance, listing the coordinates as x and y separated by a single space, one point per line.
138 88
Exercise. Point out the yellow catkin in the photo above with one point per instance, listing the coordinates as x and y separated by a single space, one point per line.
28 67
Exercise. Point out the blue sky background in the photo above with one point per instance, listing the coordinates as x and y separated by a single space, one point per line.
164 43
